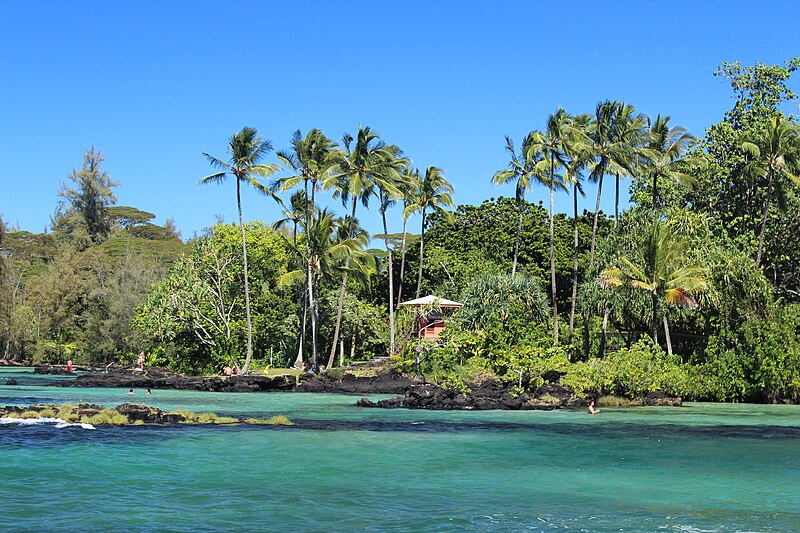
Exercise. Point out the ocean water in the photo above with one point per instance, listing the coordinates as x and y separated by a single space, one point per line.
698 468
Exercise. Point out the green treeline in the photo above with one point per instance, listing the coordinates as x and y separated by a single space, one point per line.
692 290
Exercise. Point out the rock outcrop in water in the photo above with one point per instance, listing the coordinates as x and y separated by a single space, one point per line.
55 370
125 414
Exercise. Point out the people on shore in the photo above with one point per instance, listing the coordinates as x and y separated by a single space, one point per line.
228 371
591 409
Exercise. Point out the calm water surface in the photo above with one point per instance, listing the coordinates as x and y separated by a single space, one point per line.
702 467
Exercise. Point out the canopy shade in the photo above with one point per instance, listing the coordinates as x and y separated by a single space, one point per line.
432 300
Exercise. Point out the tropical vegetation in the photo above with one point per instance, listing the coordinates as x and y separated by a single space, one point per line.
692 289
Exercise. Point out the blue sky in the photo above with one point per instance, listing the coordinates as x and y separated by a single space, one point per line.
154 84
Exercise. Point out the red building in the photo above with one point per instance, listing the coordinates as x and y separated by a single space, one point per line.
429 321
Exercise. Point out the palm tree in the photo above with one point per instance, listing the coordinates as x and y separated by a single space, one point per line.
628 132
551 144
666 154
311 158
363 166
322 254
607 152
524 169
660 268
776 155
435 194
410 192
294 213
390 187
245 150
576 153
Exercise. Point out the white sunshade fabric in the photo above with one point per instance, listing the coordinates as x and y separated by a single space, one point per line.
432 300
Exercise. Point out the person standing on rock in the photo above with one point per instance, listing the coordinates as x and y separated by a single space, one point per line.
69 365
141 360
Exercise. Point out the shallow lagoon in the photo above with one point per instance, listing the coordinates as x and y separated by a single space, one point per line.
710 467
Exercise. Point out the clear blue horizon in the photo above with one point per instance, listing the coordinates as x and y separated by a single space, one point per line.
152 85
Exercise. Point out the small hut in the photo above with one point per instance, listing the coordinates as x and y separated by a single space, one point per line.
429 321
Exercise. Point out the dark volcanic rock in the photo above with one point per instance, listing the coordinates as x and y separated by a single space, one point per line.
11 381
58 370
660 399
148 415
384 382
158 378
484 396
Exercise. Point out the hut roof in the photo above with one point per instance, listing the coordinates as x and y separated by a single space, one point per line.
432 300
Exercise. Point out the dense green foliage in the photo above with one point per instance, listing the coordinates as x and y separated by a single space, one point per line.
693 290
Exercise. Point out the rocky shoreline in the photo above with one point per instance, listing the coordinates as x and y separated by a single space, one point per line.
412 394
491 395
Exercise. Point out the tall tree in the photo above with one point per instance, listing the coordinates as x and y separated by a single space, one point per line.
90 196
390 188
628 132
775 156
666 153
312 159
245 151
363 164
524 169
409 194
435 194
605 152
552 145
322 254
576 152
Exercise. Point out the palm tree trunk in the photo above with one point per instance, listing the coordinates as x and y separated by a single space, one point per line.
574 266
616 201
519 233
655 318
594 225
391 283
402 265
764 220
307 299
421 250
340 304
667 336
602 350
298 362
553 251
314 318
246 284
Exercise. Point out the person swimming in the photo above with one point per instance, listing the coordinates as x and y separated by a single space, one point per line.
130 392
591 409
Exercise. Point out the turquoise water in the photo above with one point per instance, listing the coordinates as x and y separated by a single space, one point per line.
702 467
